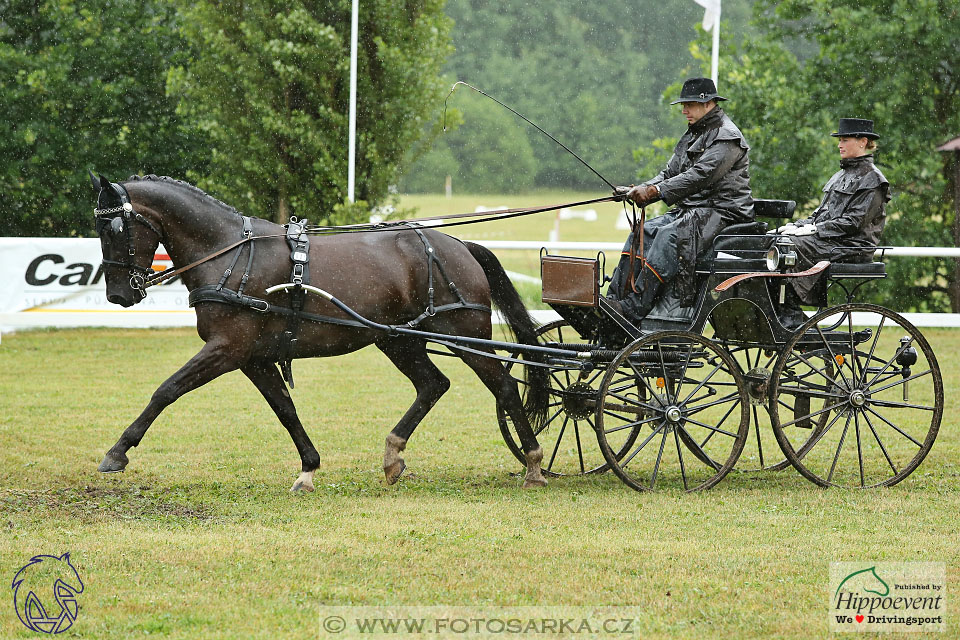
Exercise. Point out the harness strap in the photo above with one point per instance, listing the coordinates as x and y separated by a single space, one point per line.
247 232
299 243
210 293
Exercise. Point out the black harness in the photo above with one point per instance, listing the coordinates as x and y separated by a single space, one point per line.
298 239
118 221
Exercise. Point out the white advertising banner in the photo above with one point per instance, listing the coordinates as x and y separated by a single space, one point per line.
59 282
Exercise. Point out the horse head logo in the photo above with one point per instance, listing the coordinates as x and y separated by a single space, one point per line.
865 580
42 575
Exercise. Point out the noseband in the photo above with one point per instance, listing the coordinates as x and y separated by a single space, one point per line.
119 220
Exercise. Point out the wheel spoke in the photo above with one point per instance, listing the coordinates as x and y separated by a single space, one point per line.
689 441
856 426
899 382
626 461
656 466
576 431
722 420
702 382
815 413
808 447
882 448
556 447
818 370
896 428
833 356
873 347
892 404
756 428
631 425
712 428
843 436
887 364
683 471
701 407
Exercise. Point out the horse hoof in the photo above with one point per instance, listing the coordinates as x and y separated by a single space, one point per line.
303 483
113 463
392 472
533 483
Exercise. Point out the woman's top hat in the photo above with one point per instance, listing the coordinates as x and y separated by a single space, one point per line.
698 90
855 128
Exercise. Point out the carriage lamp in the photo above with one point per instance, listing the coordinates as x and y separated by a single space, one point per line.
781 254
906 359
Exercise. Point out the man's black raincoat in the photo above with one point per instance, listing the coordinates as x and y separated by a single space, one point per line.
707 182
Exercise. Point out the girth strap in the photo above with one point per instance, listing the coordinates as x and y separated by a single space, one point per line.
299 243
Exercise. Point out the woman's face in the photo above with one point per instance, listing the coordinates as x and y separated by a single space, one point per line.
852 147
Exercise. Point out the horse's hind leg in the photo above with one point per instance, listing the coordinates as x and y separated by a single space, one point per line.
266 378
504 388
409 355
212 361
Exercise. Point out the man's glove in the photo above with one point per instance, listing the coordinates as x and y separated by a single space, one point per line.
643 195
805 230
619 193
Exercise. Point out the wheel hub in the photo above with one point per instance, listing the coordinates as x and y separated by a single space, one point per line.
857 398
579 400
673 414
758 380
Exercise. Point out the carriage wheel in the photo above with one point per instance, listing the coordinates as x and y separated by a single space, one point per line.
882 404
762 451
567 437
692 393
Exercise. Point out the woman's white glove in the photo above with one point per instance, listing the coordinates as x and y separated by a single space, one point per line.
783 229
805 230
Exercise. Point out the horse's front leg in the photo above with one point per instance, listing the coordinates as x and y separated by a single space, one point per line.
266 378
213 360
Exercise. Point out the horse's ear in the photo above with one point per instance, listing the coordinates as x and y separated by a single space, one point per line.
104 183
94 180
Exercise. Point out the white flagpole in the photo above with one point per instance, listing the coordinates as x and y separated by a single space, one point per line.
352 152
716 47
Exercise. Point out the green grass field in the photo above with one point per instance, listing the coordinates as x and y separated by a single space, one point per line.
200 538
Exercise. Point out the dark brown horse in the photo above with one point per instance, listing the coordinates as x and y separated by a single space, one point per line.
384 276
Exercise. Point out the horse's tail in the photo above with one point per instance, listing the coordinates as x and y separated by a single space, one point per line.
507 299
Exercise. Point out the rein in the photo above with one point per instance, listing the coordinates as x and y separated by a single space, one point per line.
161 276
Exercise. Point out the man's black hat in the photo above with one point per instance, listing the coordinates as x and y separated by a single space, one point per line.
698 90
855 128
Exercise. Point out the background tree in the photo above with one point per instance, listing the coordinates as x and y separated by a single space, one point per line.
271 89
82 86
591 74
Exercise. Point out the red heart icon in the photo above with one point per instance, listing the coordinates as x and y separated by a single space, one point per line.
859 618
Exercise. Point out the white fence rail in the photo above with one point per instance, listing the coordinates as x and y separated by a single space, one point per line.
57 282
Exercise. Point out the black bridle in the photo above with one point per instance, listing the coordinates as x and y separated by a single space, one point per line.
118 220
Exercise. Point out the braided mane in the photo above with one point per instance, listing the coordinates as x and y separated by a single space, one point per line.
186 185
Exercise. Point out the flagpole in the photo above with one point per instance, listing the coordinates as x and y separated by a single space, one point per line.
716 48
352 144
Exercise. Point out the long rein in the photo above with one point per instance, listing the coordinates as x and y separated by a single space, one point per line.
484 216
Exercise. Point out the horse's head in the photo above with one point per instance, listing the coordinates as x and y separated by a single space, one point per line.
128 241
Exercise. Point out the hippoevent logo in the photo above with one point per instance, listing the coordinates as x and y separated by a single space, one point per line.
45 593
887 596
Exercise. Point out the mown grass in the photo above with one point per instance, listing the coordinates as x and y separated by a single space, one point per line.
200 537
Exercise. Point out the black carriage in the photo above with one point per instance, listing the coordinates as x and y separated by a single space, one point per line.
854 396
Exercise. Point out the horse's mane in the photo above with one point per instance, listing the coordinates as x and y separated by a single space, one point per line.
186 185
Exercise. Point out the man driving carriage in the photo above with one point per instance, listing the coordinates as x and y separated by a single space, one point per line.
707 184
849 221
